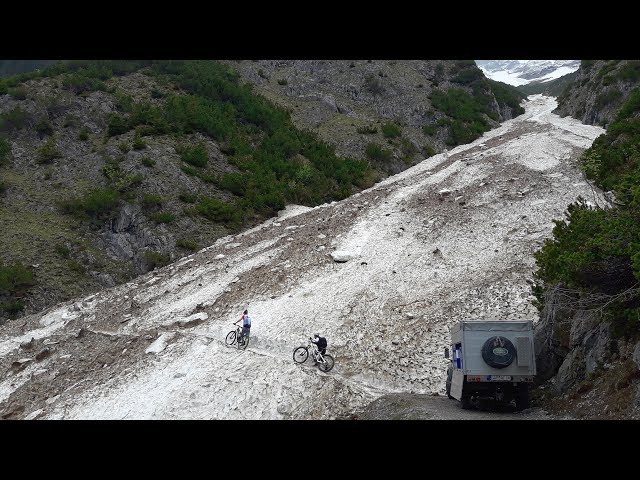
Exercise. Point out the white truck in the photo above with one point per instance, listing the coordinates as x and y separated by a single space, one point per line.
491 360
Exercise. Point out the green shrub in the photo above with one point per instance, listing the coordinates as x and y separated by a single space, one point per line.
76 266
607 97
155 93
188 197
70 120
367 130
156 260
196 155
429 129
189 170
48 151
163 217
117 125
151 200
187 244
630 72
12 307
148 162
84 134
407 147
124 147
44 127
18 92
282 81
3 187
124 102
428 151
5 150
15 118
96 203
216 210
138 142
83 82
63 251
374 85
376 152
15 278
391 130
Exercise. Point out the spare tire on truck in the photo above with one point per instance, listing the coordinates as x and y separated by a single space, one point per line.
498 352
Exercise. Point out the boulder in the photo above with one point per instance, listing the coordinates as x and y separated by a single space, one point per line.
341 256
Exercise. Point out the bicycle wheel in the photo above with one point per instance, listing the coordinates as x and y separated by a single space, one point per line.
300 354
327 364
244 341
231 338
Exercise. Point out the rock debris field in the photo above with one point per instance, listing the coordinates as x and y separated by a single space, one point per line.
382 274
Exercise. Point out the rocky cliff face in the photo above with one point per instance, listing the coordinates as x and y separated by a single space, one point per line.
599 89
583 368
340 99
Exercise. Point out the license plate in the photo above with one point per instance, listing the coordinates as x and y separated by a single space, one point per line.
498 378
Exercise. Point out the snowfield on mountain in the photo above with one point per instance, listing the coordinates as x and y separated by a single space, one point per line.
451 238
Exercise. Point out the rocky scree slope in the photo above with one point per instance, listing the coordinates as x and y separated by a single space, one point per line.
447 239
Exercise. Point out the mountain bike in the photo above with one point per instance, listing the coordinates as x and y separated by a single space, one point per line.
323 362
236 337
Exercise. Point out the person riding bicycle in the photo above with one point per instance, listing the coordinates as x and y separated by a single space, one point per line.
321 343
246 325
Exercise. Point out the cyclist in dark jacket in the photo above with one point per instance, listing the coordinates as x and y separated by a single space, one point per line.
321 343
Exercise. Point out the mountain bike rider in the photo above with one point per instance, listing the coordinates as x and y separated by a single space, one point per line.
246 325
320 342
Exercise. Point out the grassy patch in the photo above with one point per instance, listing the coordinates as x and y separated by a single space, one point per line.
367 130
391 130
188 197
151 200
84 134
148 162
156 260
376 152
187 244
96 203
163 217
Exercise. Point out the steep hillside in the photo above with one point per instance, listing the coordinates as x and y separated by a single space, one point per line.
391 113
599 90
449 238
552 88
109 169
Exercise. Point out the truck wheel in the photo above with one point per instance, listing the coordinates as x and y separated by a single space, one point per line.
522 398
498 352
465 401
